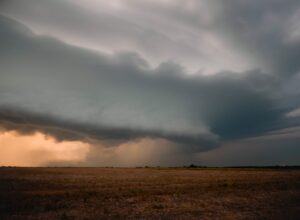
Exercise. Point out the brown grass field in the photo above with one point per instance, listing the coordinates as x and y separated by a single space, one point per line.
149 193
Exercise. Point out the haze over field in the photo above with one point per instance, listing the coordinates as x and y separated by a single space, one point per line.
162 82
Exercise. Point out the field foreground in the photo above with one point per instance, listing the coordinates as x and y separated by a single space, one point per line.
135 193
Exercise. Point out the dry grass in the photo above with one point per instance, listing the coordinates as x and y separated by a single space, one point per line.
118 193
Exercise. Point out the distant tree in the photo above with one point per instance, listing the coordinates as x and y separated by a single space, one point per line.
192 166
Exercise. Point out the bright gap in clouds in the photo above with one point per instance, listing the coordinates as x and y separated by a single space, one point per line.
38 149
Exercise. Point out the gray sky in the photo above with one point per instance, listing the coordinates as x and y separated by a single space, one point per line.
153 82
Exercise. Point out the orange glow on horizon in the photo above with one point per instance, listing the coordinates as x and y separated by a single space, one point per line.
38 150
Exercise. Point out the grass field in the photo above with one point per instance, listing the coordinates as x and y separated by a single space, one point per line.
149 193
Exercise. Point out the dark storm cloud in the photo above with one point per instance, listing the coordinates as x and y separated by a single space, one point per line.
48 85
28 123
73 93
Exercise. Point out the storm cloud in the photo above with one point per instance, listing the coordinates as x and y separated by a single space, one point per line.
88 73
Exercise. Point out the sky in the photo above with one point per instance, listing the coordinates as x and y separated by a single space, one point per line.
149 83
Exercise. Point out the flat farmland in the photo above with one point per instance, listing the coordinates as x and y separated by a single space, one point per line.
149 193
